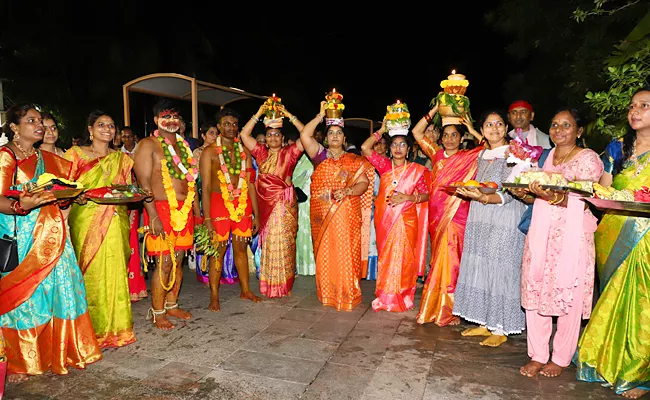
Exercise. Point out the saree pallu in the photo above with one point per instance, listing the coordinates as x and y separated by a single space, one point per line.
401 239
278 208
615 347
100 236
43 312
137 285
447 219
340 230
305 263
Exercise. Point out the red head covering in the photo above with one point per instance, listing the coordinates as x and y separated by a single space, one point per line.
519 104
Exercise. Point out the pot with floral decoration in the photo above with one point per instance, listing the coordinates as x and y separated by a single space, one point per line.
273 104
398 119
452 102
334 109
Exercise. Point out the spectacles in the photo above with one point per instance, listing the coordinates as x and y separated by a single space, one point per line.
402 145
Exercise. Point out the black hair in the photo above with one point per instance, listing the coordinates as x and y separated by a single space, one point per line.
14 114
580 122
46 115
164 105
95 115
226 112
629 139
501 115
205 127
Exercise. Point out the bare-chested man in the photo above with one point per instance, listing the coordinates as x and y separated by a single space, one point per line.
227 166
163 166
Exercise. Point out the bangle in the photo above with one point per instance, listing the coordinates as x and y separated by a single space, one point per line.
377 136
320 117
254 118
427 118
554 201
18 209
293 119
417 197
487 200
560 200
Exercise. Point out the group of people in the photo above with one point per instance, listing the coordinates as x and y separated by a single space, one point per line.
506 261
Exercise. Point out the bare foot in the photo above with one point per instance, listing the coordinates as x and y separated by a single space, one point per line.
480 331
494 341
634 393
17 378
455 321
250 296
214 305
179 313
552 370
531 369
163 323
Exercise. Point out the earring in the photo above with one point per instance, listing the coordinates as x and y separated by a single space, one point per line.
91 136
16 137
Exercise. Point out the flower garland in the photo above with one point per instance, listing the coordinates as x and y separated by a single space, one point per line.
178 218
225 183
185 163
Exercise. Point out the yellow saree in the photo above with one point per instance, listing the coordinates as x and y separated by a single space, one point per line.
100 236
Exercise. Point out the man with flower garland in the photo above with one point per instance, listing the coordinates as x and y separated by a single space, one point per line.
229 202
164 166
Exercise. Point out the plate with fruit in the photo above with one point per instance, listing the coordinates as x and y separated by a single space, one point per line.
117 194
550 181
484 187
608 198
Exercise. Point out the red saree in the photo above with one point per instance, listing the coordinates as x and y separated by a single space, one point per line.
278 208
401 239
340 230
447 219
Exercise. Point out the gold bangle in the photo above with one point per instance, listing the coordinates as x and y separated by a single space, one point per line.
487 200
554 201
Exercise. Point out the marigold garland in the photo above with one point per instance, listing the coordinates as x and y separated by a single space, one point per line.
177 217
238 213
228 191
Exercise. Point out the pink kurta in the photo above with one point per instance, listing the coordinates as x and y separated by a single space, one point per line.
559 255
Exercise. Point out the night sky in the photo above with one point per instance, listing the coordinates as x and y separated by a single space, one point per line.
372 58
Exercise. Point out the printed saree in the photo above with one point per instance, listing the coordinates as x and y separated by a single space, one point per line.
340 230
614 349
100 236
401 239
43 312
447 219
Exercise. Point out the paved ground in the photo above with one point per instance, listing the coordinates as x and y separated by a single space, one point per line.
295 348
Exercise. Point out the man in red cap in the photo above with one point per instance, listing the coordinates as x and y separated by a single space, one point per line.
520 114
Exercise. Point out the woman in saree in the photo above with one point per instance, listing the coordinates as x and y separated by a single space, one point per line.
340 200
447 217
277 201
615 348
100 233
43 311
401 222
557 274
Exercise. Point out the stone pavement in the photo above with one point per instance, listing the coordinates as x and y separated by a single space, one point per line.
294 348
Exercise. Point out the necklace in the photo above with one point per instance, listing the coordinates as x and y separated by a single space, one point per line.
228 192
25 154
330 154
92 150
565 157
396 180
635 159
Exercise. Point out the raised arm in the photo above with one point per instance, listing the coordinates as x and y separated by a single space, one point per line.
307 140
246 137
465 121
421 126
294 120
369 144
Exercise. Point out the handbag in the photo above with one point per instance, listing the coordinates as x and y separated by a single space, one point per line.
527 216
8 244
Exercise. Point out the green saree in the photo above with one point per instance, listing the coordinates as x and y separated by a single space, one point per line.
615 346
100 236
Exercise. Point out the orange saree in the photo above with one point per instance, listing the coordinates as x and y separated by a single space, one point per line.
340 230
447 219
43 312
401 238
